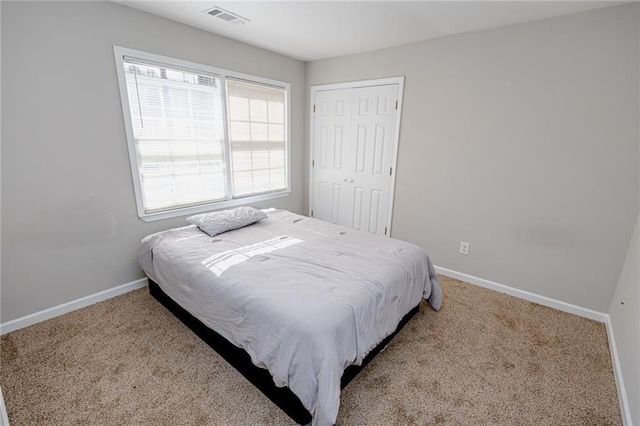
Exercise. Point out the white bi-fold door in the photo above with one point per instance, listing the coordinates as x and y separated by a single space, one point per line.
354 145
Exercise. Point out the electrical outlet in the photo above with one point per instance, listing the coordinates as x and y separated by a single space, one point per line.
464 248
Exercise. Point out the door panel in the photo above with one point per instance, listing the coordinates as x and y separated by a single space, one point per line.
361 148
378 149
374 210
335 205
358 196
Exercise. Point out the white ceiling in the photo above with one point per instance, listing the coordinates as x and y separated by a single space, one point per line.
310 30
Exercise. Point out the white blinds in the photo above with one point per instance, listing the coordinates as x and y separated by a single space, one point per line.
179 135
257 136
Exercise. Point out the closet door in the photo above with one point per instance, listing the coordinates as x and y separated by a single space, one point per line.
354 142
331 155
373 120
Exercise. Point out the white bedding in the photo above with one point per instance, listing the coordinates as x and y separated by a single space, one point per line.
304 298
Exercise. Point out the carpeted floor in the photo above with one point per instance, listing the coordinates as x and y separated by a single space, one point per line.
485 358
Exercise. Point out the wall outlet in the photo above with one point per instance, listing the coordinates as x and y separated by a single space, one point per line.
464 248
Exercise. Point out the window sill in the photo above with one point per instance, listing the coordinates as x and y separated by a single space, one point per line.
152 217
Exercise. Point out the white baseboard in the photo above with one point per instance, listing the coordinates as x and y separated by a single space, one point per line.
564 307
617 370
531 297
4 419
46 314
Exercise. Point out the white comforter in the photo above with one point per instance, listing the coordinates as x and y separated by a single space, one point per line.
304 298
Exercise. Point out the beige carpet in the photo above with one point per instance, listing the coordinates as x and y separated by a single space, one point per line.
485 358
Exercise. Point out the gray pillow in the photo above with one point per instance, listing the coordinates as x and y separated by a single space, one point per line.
215 223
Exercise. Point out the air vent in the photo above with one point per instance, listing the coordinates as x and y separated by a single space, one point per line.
225 15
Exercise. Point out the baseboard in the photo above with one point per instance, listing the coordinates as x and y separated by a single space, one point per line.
617 370
564 307
46 314
4 419
531 297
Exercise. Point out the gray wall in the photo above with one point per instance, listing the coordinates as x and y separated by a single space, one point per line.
523 141
69 222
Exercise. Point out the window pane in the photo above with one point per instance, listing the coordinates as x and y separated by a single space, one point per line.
179 134
276 112
276 132
240 131
259 132
257 136
258 110
239 107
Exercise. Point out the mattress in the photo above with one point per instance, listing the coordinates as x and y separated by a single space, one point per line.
304 298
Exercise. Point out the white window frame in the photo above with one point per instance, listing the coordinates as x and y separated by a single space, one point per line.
222 74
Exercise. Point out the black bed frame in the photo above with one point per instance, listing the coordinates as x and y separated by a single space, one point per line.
260 377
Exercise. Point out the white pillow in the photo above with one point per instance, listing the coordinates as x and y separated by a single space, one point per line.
215 223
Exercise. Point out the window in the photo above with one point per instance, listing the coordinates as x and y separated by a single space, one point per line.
199 137
257 135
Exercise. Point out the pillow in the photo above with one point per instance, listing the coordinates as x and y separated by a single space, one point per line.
215 223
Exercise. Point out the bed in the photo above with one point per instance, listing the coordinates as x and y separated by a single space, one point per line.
303 300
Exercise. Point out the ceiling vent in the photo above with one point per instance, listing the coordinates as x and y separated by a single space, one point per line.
225 15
